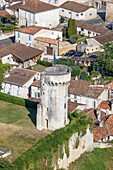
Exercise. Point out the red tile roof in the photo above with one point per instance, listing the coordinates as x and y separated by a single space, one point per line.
74 6
4 13
104 105
104 38
47 40
31 29
36 6
15 6
36 83
19 76
72 106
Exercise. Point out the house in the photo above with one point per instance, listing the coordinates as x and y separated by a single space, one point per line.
38 13
77 11
84 60
20 55
18 82
84 92
89 30
14 9
35 89
39 37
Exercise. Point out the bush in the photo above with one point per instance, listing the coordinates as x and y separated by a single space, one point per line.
62 19
73 38
44 63
19 101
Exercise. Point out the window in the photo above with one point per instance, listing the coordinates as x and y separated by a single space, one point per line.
70 12
64 105
82 29
62 10
77 15
30 44
90 14
17 92
89 32
18 34
29 37
36 94
81 13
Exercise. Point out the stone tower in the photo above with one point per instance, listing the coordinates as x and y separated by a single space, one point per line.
52 111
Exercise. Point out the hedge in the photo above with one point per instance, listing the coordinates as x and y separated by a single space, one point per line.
44 63
19 101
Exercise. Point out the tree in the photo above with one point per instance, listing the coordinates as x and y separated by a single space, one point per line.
104 62
72 30
83 75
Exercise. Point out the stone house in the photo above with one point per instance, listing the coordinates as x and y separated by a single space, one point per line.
42 38
85 93
77 11
18 82
20 55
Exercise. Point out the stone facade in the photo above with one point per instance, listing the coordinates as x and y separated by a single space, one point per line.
109 12
52 111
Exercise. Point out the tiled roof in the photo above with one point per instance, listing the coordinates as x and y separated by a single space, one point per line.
31 29
104 38
91 112
104 105
109 85
36 6
47 40
20 76
36 83
106 130
91 27
4 13
15 6
82 88
72 106
20 51
74 6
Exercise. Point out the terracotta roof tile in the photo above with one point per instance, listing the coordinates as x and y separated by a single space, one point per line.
72 106
15 6
4 13
36 83
104 38
47 40
104 105
36 6
74 6
31 29
19 76
20 51
82 87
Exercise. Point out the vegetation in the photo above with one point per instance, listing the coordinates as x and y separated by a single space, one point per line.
17 129
72 30
44 63
39 67
48 146
62 19
3 69
73 38
75 67
104 63
17 100
99 159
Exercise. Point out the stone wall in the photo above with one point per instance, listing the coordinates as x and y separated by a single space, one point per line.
78 144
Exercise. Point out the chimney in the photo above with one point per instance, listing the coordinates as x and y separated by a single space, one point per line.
23 2
101 124
98 114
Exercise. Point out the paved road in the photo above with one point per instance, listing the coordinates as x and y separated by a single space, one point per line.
6 42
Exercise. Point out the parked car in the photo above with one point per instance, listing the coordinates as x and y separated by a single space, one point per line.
110 26
93 56
78 54
70 53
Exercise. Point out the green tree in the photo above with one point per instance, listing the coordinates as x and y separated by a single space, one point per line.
104 62
72 29
73 38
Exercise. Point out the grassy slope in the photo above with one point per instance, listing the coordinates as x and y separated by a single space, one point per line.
99 159
39 67
17 131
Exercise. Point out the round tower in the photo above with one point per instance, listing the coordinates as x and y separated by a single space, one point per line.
52 111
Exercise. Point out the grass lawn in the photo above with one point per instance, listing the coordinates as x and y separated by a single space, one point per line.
99 159
17 129
39 67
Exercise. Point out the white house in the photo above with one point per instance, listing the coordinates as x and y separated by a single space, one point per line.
85 93
18 82
42 38
77 11
20 55
39 14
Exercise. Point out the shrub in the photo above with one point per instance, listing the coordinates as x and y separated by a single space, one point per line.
73 38
44 63
62 19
